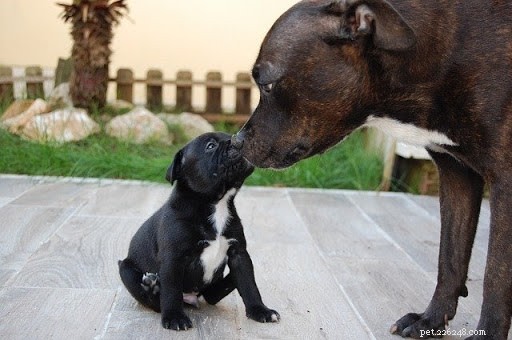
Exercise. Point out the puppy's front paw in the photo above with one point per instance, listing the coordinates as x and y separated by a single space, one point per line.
176 320
262 314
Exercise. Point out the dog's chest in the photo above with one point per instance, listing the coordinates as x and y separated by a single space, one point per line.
409 133
214 255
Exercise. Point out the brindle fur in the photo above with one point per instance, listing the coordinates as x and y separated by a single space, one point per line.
444 66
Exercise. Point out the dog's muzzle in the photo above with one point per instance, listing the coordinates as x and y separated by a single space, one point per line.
235 148
237 140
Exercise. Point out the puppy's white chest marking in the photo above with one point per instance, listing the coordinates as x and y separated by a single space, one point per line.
409 133
221 216
215 254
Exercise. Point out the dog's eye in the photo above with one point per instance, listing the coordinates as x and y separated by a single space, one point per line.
211 145
267 87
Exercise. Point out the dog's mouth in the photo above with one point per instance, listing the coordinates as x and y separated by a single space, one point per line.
234 167
277 159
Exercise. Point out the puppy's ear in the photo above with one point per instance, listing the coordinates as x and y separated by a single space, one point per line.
174 169
380 21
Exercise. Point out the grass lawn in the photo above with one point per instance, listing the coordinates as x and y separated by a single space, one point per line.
346 166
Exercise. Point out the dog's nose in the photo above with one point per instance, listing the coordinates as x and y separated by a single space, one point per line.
237 140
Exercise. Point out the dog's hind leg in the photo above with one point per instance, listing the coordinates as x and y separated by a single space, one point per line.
151 283
143 287
461 191
497 303
219 290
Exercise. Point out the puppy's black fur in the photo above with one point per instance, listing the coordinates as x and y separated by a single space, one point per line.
181 251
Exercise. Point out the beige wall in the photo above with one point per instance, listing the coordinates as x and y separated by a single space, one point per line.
199 35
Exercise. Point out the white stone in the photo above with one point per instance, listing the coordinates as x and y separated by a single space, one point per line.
138 126
17 107
17 123
60 98
60 126
120 104
192 124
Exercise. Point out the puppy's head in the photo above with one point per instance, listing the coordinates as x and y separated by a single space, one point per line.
209 165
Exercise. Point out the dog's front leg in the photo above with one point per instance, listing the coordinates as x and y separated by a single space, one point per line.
460 196
240 266
172 272
497 304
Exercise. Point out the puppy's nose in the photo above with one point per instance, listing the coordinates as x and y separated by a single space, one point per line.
237 140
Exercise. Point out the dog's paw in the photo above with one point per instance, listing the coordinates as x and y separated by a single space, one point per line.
418 326
262 314
151 283
176 320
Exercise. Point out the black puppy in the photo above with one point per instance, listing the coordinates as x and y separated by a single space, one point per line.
181 251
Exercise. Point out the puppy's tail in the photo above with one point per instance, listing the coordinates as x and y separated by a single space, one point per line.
132 279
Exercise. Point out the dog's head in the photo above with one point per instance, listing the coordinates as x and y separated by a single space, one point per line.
209 166
315 79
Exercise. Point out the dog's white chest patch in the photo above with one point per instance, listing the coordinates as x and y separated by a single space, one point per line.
221 215
215 254
409 133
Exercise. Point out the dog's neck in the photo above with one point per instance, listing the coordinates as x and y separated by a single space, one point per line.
183 196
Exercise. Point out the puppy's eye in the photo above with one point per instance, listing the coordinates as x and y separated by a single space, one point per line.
267 87
211 145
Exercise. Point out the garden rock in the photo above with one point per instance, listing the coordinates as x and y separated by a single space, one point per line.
64 125
192 124
16 123
17 107
138 126
120 104
60 98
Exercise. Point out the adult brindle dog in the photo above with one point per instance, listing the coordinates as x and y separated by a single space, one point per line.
435 73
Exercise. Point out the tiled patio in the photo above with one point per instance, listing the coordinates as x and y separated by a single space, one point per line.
335 264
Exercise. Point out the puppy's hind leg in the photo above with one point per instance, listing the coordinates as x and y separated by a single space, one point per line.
219 290
143 287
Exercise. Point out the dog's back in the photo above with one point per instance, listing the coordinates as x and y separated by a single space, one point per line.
460 76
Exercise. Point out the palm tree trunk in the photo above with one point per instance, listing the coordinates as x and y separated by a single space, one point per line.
92 22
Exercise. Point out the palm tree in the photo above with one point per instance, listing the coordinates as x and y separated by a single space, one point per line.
92 22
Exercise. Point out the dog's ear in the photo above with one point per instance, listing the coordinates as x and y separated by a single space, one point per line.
174 169
376 19
336 7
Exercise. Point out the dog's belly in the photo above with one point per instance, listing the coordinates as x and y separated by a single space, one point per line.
214 256
409 133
